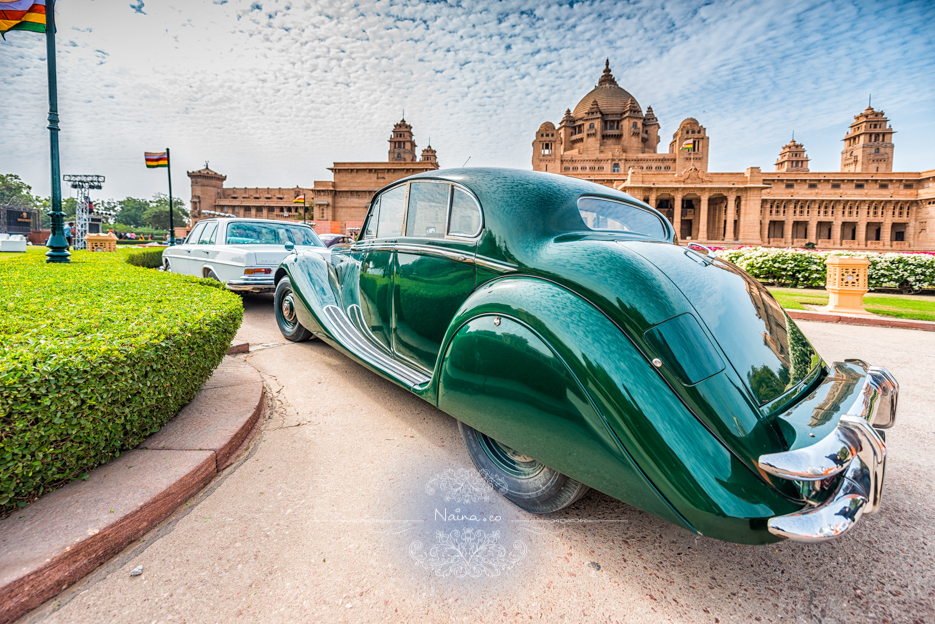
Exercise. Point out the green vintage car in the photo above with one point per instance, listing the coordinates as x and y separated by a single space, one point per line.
579 347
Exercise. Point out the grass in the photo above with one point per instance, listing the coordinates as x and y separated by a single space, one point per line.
915 307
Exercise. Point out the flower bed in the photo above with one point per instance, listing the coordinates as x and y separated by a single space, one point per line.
910 272
95 356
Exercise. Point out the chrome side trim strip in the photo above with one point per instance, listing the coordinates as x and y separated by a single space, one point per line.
441 252
493 265
364 349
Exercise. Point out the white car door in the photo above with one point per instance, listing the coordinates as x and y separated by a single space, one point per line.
179 256
205 250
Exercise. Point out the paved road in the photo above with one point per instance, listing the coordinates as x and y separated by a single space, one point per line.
330 516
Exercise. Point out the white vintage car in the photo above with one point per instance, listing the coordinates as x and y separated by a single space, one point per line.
241 253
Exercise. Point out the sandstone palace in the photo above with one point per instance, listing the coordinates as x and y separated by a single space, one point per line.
608 139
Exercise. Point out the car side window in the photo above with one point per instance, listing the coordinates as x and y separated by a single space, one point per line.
371 231
428 209
465 215
192 238
207 236
392 207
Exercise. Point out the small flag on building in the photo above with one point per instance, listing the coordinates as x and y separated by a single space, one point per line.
22 15
299 200
688 145
155 159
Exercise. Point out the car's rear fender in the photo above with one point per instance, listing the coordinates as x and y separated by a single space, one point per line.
630 436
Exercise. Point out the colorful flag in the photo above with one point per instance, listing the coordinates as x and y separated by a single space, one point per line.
156 159
299 200
22 15
687 145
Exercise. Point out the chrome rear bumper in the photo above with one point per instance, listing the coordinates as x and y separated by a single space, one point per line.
854 450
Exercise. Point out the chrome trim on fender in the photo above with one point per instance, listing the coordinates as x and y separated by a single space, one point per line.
855 449
493 265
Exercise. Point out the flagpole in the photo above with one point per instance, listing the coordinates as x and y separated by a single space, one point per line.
58 245
303 208
171 225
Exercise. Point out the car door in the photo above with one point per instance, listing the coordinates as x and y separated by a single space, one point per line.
434 268
179 256
203 249
375 252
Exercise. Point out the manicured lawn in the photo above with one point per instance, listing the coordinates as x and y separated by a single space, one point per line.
916 307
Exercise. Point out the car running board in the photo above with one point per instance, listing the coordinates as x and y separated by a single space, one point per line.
352 340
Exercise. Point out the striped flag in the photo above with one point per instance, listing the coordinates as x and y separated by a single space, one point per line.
22 15
299 200
156 159
687 145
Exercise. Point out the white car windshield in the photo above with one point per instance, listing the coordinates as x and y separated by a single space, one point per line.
271 234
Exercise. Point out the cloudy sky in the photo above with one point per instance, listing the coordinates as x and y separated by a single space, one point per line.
271 92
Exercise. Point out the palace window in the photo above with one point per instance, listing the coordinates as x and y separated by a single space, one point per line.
812 185
546 149
790 185
907 186
859 185
884 186
666 168
835 185
876 150
616 168
591 126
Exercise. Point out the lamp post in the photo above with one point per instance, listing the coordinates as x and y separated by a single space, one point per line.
58 245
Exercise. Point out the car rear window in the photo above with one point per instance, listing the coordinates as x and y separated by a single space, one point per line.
271 234
604 214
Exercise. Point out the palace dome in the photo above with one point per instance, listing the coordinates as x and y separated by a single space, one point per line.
608 94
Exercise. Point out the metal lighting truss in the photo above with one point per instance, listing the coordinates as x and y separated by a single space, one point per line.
84 184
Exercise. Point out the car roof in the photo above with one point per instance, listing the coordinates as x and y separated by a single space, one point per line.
546 204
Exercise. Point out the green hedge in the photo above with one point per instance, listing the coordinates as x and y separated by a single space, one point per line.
131 243
146 258
910 272
95 356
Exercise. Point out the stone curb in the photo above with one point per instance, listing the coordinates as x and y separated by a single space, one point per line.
67 533
871 321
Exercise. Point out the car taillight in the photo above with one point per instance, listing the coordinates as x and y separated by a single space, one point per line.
257 271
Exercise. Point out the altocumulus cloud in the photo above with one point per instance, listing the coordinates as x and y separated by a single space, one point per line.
272 92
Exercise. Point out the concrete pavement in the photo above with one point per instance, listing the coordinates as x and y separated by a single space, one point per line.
356 492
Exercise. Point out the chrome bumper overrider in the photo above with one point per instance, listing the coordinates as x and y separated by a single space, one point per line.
854 450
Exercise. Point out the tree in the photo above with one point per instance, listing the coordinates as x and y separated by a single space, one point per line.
132 211
157 215
14 192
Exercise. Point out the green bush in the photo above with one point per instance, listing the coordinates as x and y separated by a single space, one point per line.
95 356
146 258
910 272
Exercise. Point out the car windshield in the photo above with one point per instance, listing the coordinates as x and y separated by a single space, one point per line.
271 234
604 214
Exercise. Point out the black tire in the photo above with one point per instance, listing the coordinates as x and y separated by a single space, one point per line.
166 266
212 275
284 310
523 481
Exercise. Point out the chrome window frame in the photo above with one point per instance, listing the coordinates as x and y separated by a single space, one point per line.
448 234
666 226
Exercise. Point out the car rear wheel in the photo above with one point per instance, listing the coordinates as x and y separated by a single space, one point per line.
525 482
166 266
284 308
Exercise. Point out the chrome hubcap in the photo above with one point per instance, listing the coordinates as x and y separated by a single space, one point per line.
288 310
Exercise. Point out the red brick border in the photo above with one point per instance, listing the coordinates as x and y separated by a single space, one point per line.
872 321
66 534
